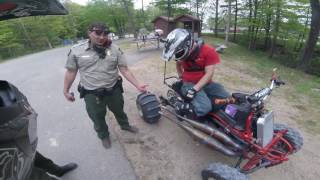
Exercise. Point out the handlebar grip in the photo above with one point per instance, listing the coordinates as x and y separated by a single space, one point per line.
279 82
162 40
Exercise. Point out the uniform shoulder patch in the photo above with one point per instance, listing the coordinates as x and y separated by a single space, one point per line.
80 47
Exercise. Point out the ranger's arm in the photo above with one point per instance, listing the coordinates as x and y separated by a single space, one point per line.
69 77
125 71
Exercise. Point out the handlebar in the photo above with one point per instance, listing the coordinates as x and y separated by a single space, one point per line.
262 94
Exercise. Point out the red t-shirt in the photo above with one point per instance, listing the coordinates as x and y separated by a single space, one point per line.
207 56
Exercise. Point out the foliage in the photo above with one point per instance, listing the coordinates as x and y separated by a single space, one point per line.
278 27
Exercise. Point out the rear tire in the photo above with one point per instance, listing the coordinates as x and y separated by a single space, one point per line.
292 136
148 107
221 171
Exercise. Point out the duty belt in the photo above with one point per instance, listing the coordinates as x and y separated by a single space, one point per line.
101 91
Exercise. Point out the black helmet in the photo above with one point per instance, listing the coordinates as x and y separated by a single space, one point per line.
179 44
18 135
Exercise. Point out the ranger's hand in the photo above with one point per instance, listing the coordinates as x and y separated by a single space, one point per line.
142 87
69 96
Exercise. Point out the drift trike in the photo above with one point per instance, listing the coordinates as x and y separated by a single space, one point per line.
243 127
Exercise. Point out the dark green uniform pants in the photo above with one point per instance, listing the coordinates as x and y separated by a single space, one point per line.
97 108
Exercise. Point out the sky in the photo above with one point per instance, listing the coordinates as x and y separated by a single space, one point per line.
137 3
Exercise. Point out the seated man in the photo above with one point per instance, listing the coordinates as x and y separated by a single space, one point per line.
195 65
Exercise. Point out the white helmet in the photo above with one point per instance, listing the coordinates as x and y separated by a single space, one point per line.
179 44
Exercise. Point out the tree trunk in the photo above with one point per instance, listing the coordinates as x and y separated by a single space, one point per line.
305 59
254 27
301 37
255 37
276 29
216 19
48 42
267 28
250 22
235 22
130 17
226 40
197 6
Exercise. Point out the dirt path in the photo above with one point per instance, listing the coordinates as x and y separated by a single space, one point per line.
165 152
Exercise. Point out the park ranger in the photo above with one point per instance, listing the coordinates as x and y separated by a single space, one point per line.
99 62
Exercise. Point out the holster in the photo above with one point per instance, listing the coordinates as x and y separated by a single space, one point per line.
119 84
81 90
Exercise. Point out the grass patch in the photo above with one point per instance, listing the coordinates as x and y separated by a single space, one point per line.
125 45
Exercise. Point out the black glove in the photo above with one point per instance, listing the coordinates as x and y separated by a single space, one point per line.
191 93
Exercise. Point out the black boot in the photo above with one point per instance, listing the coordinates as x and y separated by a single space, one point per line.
62 170
50 167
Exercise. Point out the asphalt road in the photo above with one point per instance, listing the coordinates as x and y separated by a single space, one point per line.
64 129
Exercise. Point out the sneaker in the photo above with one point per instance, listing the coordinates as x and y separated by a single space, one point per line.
106 142
131 129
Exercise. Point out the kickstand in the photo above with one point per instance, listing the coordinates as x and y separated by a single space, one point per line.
237 166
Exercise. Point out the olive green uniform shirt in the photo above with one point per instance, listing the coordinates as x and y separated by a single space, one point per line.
96 72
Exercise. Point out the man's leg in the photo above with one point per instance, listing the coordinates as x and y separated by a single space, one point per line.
215 90
49 166
115 103
201 102
96 109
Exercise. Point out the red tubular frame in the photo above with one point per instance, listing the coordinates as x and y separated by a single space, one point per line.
267 153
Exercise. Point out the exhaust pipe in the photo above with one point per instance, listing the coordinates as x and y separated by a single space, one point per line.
213 132
204 138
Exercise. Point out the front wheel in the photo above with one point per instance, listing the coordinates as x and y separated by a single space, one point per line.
221 171
292 136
